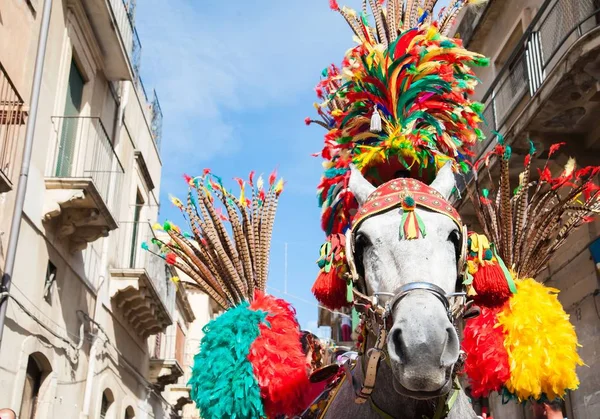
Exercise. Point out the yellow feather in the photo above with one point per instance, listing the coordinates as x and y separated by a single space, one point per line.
540 341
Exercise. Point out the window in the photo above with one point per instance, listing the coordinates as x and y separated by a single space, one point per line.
157 345
68 133
33 382
180 345
139 203
37 370
129 413
106 404
50 279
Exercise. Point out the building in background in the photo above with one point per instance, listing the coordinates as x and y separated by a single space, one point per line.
340 323
543 84
95 326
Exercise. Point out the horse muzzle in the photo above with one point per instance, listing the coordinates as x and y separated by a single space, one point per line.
423 345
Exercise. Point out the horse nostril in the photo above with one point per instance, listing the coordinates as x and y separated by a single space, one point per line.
451 348
399 346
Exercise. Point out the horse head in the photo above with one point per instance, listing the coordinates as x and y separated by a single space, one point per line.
422 344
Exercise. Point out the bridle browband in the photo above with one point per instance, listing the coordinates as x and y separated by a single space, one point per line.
376 317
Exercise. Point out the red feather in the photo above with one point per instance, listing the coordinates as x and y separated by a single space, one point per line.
272 178
171 258
404 42
486 363
554 148
279 364
239 181
334 5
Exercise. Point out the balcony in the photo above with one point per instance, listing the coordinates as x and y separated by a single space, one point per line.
549 88
167 361
141 288
83 181
12 130
112 21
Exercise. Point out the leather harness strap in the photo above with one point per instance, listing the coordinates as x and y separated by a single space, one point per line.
372 365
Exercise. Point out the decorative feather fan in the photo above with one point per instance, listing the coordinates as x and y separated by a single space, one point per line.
251 363
523 343
531 222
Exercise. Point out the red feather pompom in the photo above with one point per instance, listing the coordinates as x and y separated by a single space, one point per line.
280 366
330 289
491 285
333 4
486 363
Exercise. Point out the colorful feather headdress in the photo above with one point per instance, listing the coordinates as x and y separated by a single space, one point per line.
251 363
523 343
399 105
399 102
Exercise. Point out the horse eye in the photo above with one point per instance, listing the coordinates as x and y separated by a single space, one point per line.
361 241
454 237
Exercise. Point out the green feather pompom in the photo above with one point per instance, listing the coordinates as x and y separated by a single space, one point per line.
223 383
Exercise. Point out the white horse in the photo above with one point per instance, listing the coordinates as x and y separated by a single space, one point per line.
416 373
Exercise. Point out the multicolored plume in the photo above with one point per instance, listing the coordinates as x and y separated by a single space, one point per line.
398 106
251 363
399 102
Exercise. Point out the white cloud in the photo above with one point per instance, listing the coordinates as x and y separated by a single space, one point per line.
211 60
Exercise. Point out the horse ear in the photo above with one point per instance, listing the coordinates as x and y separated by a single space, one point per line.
359 186
444 182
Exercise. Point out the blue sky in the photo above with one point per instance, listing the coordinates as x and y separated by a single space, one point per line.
236 80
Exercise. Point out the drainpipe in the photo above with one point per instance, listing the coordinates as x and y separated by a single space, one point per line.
103 292
15 227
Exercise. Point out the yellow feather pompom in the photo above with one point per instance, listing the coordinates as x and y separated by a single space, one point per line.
540 341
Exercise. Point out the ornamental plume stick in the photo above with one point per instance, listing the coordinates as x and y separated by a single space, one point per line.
543 219
228 267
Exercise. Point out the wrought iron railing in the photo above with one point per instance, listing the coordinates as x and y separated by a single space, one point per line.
153 111
12 124
557 25
122 15
131 237
84 150
156 121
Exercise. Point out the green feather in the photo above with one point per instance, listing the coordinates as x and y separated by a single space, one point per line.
531 148
223 383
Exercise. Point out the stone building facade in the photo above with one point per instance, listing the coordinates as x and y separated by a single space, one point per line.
95 326
543 85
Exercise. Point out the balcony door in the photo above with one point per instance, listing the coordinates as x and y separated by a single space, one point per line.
68 132
135 242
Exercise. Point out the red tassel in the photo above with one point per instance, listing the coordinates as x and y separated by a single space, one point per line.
491 285
334 5
330 289
486 363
